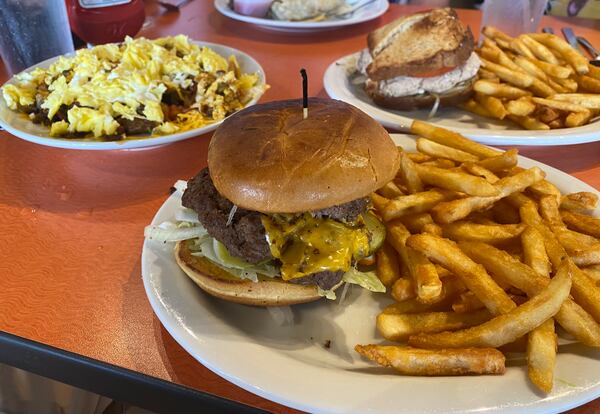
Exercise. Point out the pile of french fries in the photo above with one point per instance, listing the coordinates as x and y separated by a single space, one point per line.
482 257
536 80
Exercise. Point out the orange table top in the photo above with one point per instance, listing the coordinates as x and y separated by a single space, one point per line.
72 221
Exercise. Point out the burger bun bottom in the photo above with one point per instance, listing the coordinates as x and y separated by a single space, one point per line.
219 283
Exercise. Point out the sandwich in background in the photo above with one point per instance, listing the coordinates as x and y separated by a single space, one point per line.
413 61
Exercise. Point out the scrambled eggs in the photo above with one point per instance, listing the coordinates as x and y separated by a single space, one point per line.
140 86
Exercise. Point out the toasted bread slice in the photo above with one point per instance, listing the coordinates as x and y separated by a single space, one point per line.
418 43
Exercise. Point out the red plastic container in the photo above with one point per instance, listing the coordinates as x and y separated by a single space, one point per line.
105 21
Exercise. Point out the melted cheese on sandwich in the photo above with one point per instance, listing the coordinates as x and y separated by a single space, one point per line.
307 245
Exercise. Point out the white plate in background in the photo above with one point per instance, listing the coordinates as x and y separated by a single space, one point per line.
292 366
20 126
366 13
485 130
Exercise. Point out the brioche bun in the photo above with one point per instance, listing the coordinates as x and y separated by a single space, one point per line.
219 283
267 158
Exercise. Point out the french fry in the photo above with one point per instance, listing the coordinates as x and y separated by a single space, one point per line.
554 70
594 72
415 203
432 228
577 61
488 75
546 115
584 290
575 119
388 268
447 254
587 100
415 222
593 272
390 190
467 302
569 85
425 278
456 181
493 234
534 251
399 327
403 289
411 361
521 48
409 175
557 123
520 107
588 256
541 355
504 213
440 163
572 317
451 139
573 241
516 78
543 188
379 202
526 65
473 106
505 328
581 201
501 162
549 211
450 211
451 287
418 157
563 106
499 90
539 50
480 171
493 105
540 88
588 84
581 223
528 122
490 54
495 34
443 151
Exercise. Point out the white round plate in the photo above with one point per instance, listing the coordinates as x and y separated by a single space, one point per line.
369 12
20 126
488 131
292 364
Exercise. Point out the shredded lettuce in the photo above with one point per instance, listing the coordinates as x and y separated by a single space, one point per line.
217 253
329 294
187 215
367 280
180 185
171 232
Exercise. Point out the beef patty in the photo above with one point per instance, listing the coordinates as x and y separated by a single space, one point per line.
245 237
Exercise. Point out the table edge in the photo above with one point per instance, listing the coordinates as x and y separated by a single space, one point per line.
112 381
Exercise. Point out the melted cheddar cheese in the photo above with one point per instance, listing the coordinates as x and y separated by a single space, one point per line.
307 245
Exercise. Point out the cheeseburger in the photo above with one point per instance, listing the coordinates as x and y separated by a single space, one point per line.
284 203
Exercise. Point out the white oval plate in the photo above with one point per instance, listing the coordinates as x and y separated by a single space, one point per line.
20 126
369 12
485 130
292 366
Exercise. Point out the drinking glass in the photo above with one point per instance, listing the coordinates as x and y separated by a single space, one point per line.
33 31
513 17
